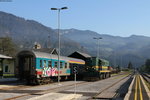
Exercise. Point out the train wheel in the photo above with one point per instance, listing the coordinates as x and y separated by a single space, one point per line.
39 82
99 76
28 82
66 78
103 75
109 74
106 75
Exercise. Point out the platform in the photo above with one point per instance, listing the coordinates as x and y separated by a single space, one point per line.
57 96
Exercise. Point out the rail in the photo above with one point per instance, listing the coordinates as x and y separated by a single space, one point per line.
146 77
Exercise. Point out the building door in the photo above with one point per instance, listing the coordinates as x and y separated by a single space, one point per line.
1 67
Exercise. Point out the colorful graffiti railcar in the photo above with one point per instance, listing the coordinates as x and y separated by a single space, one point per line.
97 69
40 68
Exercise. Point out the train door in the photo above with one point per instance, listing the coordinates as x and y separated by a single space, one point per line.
50 68
26 67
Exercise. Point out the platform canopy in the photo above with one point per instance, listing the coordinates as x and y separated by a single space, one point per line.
5 57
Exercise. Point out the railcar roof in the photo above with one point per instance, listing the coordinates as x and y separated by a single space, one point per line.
47 55
39 54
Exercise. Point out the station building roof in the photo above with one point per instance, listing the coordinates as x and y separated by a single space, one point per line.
79 55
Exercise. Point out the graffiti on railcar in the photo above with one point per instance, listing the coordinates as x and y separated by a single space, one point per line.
48 71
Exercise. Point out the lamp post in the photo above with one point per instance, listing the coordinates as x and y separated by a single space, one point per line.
98 45
59 9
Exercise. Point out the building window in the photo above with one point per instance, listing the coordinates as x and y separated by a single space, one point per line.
41 63
49 63
6 68
56 64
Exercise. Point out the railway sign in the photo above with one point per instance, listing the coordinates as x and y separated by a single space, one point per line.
75 79
75 70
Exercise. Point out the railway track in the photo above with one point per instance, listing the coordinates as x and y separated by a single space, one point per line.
138 89
116 90
16 85
146 77
91 90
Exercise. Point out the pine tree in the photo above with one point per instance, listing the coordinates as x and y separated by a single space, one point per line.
130 66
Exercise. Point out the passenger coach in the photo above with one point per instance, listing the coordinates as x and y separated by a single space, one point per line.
40 67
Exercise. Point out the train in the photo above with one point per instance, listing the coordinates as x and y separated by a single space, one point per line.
36 67
97 69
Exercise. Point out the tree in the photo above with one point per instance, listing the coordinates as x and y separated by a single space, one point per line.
7 47
130 66
147 65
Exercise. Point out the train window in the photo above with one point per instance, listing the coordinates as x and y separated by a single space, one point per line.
40 63
44 63
49 63
56 64
61 64
70 65
65 65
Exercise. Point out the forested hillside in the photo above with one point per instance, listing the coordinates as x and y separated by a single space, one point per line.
118 50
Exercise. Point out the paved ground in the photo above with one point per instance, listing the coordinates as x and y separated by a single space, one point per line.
26 92
107 88
86 89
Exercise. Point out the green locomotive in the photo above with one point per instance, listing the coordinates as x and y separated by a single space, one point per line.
96 69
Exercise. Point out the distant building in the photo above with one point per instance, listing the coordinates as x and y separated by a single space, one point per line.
37 46
47 50
79 55
6 66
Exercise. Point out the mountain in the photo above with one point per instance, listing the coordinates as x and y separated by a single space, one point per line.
118 50
26 32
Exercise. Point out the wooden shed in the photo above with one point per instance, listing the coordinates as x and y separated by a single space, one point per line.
79 55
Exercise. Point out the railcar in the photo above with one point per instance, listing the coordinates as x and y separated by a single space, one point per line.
40 67
96 69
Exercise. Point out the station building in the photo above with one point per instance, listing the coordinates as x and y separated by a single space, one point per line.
6 66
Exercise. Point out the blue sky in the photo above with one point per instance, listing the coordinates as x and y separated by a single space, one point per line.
114 17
